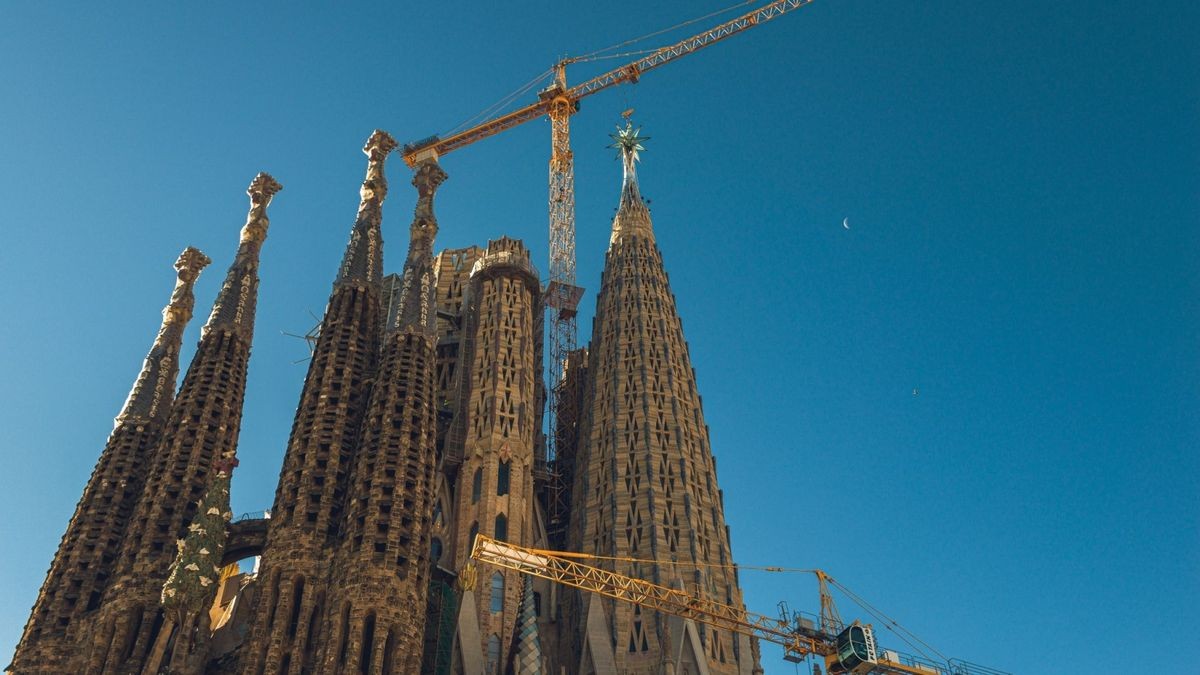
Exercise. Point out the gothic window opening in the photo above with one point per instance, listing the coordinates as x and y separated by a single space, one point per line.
493 653
368 644
502 478
297 596
497 604
501 527
476 485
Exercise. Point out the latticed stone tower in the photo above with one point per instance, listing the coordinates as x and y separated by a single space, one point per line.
203 427
419 425
496 434
84 562
645 479
381 566
310 498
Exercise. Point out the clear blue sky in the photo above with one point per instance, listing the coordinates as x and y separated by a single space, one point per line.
1021 182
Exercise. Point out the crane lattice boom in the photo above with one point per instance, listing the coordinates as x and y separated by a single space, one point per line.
629 72
850 652
557 566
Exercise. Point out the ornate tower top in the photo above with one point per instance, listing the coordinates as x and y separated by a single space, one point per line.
150 398
427 177
416 308
363 261
633 218
235 304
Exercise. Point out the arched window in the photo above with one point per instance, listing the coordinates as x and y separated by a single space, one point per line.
497 592
471 536
435 550
501 527
476 485
493 655
502 478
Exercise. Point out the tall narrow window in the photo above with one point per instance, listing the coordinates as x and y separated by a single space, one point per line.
497 592
493 655
476 485
502 478
471 536
502 527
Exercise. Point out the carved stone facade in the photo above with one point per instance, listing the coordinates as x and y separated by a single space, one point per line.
203 426
419 424
88 552
498 431
645 485
307 516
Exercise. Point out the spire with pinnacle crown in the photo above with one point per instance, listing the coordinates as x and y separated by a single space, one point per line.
202 429
237 300
85 559
416 308
383 557
152 393
321 450
633 217
363 261
644 476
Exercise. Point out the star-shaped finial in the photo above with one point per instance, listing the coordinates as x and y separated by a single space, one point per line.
628 142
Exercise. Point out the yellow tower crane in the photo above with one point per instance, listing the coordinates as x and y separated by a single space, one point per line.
849 649
559 101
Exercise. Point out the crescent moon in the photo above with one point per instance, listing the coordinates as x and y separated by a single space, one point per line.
846 223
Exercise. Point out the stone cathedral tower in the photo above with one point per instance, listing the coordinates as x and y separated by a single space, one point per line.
311 497
203 427
419 425
645 479
85 558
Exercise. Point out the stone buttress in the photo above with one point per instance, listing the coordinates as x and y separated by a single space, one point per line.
645 482
85 558
203 425
307 514
381 566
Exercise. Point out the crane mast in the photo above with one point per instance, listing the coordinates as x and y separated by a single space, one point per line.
562 295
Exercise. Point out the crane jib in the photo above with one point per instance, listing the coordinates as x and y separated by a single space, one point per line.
629 72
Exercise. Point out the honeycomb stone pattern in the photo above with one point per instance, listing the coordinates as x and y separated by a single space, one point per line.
644 476
88 551
203 425
308 511
494 491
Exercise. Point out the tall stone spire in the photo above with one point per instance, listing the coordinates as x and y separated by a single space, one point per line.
153 392
238 298
203 427
381 568
363 260
320 452
84 560
645 478
417 305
